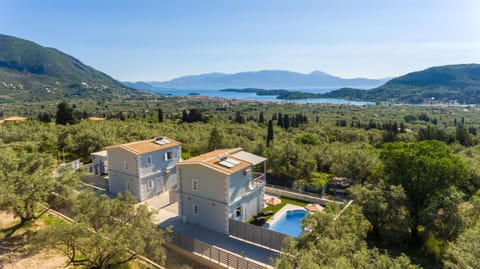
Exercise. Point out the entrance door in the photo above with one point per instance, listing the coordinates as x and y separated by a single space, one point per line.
159 185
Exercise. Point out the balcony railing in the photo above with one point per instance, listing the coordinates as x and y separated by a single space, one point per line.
257 182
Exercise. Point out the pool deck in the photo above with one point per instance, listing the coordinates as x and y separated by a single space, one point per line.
279 214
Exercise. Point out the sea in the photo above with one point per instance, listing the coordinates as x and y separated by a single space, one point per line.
253 96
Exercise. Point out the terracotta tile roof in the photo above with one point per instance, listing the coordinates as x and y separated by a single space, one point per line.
146 146
213 154
212 160
15 118
100 153
95 118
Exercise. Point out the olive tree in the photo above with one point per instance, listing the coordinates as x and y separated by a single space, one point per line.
107 232
28 180
422 169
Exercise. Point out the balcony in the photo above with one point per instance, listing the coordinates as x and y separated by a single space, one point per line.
257 182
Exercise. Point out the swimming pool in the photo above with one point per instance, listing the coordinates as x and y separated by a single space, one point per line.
290 222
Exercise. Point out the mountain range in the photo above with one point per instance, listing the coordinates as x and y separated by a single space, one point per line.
265 79
31 72
459 82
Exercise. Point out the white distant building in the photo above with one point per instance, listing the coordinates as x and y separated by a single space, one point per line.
143 168
99 162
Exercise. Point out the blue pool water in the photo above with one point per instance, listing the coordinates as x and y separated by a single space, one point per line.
290 223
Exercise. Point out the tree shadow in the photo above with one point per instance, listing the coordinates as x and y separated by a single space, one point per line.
11 230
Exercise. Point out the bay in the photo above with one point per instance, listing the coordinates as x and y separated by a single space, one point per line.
255 97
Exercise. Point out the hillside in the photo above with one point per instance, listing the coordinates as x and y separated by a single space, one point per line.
139 85
449 83
31 72
265 79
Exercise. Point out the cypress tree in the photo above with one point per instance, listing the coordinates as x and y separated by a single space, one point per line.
65 114
286 122
462 135
195 115
269 133
160 115
44 117
239 117
280 120
261 118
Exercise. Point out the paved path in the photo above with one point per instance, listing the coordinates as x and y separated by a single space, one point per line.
165 213
168 217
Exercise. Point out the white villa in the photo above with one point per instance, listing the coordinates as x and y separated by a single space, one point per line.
144 168
220 185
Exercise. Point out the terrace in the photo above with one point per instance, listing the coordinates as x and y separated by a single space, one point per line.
271 210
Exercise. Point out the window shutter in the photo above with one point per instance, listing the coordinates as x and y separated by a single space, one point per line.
165 156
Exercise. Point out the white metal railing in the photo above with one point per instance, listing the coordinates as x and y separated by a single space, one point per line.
295 191
258 180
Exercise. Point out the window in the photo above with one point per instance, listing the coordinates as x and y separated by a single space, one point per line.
149 160
238 211
195 184
195 209
150 184
125 164
168 155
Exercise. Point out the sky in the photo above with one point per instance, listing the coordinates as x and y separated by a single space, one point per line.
156 40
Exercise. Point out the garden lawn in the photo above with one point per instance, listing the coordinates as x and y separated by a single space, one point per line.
275 208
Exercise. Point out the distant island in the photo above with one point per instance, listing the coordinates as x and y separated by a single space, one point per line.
280 93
